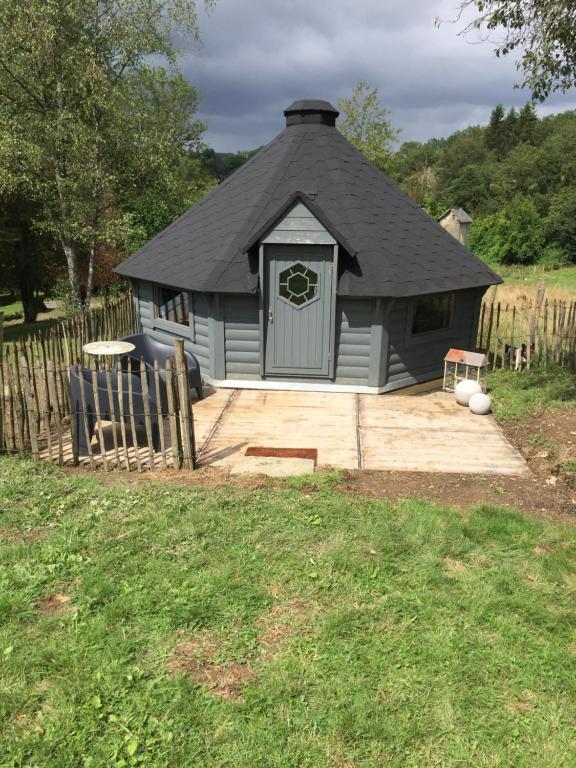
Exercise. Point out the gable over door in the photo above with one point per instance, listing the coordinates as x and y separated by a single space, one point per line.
299 312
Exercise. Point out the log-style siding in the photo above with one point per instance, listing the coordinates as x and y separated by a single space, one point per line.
227 327
353 334
414 359
242 337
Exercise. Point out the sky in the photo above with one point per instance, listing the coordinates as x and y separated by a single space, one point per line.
257 56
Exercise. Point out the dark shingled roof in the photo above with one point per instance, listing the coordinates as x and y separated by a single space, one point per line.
394 248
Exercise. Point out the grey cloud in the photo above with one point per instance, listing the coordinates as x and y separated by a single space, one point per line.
258 55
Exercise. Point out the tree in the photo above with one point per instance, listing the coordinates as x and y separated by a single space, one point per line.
64 67
162 173
494 136
221 164
28 267
514 235
542 31
365 123
560 225
528 124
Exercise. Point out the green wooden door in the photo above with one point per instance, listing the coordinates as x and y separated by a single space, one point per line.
299 310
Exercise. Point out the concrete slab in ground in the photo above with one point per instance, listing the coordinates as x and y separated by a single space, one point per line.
272 466
425 433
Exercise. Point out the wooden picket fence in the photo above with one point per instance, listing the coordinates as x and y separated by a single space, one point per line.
537 333
39 417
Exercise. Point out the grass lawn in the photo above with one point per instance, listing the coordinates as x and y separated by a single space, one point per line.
523 394
147 623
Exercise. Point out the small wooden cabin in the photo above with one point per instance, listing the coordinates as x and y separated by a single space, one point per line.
309 269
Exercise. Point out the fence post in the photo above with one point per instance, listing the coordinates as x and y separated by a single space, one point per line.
2 393
173 421
55 407
186 418
30 406
533 322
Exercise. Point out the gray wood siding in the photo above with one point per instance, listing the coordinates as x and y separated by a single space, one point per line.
299 227
353 337
412 359
242 337
200 346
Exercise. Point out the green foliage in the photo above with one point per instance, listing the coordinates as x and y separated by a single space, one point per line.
560 223
516 177
364 122
219 165
85 120
433 636
512 236
543 33
28 262
65 298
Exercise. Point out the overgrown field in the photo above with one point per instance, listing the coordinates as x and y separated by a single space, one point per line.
521 283
143 623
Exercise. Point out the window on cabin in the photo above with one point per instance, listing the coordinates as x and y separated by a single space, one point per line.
172 305
432 313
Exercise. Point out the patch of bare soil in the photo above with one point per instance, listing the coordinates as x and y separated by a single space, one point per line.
14 536
58 602
547 442
454 566
279 624
523 705
55 604
194 657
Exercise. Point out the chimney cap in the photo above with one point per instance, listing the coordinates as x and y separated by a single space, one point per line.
310 112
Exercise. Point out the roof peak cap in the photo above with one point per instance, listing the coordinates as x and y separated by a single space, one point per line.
311 112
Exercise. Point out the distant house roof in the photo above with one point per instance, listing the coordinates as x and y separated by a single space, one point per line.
459 214
393 247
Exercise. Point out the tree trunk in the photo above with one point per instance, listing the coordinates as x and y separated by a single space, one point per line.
73 271
29 303
90 280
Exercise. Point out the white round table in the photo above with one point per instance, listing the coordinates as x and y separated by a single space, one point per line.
108 348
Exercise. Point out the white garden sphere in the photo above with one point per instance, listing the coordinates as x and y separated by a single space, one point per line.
465 389
480 403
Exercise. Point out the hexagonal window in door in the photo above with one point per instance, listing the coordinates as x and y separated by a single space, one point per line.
298 285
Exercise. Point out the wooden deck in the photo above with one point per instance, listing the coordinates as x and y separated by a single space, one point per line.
428 433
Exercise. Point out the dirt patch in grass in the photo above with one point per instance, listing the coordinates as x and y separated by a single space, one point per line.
523 705
14 536
58 602
279 624
197 657
530 494
454 566
194 658
548 443
55 604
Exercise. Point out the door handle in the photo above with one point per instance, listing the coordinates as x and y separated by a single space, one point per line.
270 316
